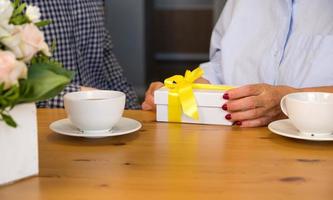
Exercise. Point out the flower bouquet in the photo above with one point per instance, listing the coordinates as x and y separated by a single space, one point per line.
27 73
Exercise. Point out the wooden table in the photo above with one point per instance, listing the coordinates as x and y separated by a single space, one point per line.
176 161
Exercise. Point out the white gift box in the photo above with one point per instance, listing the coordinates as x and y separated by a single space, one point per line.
209 104
19 146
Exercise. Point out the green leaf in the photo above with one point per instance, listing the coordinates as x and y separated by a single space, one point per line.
8 120
2 86
10 91
45 80
3 103
16 3
53 46
19 20
9 97
40 58
19 10
43 23
18 16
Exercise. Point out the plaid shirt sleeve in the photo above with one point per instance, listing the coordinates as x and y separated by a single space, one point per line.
84 46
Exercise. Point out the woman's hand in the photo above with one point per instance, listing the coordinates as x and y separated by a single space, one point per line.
255 105
149 104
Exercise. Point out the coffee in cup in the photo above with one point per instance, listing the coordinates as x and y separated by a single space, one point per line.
310 112
95 111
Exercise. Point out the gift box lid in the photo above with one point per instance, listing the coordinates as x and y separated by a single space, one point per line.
204 97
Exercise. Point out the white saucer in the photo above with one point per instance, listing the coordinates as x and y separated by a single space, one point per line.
285 128
124 126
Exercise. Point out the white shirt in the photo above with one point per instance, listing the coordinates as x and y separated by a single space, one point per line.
279 42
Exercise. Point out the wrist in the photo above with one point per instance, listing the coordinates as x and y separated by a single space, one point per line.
284 90
202 81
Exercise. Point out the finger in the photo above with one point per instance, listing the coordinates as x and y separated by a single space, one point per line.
148 103
149 95
267 117
248 114
244 91
273 113
147 106
246 103
262 121
153 86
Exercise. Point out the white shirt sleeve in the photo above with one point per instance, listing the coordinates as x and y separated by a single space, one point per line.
213 69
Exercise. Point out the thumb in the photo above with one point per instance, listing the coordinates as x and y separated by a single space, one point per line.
148 104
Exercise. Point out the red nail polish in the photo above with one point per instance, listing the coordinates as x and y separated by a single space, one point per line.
238 123
225 107
228 116
226 96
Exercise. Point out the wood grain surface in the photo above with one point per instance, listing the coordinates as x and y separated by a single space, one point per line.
176 161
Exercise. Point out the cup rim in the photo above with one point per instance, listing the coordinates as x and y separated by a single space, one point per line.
306 101
72 96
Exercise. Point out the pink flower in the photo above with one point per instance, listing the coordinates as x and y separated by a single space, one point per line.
26 41
11 70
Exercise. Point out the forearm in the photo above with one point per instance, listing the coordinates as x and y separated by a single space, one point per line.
318 89
284 90
202 80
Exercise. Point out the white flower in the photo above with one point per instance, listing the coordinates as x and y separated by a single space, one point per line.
26 41
6 11
33 13
11 70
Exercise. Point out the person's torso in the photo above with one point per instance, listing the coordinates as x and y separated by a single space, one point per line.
285 42
78 30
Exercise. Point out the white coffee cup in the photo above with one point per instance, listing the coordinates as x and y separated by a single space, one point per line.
310 112
94 111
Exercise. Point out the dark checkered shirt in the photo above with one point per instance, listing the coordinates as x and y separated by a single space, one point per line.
84 47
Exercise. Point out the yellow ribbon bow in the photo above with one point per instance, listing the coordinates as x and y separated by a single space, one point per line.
181 96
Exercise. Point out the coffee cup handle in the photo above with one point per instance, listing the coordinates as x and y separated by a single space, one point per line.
283 105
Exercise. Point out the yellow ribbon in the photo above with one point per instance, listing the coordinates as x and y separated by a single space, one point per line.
181 97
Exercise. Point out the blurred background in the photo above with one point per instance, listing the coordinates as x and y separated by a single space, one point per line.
154 39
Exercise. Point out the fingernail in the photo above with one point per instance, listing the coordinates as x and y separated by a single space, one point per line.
238 123
228 116
226 96
145 106
225 107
